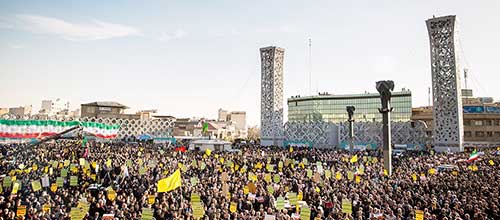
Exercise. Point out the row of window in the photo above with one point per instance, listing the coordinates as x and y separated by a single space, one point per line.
482 122
337 103
333 118
482 134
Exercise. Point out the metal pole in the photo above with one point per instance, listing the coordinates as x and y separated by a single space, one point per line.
351 136
385 88
350 113
386 132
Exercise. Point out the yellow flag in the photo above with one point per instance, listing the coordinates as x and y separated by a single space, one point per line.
414 177
432 171
354 159
233 207
291 149
258 166
15 188
170 183
208 152
491 162
338 176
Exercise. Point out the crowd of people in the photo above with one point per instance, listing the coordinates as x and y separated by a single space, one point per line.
121 180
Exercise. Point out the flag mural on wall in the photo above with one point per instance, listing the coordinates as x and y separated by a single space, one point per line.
44 128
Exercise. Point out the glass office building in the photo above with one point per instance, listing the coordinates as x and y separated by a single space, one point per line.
332 108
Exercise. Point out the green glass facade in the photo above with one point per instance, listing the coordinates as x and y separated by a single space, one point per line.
332 108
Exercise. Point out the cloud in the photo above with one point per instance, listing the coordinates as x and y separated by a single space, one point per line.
178 34
94 30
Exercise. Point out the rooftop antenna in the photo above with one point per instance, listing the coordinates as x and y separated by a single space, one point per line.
310 67
465 77
429 96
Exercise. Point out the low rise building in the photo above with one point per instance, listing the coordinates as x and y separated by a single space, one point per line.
55 107
4 111
106 110
481 120
21 111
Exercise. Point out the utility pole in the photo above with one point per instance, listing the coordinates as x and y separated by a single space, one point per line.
385 89
310 67
350 113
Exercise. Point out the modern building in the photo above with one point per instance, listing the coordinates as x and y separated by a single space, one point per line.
222 115
54 107
106 110
192 127
239 119
481 120
21 111
332 108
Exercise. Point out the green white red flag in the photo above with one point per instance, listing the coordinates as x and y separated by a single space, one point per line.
44 128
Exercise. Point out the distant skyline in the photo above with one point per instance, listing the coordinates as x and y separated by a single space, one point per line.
190 58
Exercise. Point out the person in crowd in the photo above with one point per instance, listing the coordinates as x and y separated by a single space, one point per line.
121 180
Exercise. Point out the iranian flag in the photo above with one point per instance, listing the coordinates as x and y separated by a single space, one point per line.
474 156
44 128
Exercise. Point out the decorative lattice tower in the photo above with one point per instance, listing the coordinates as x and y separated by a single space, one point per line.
271 108
446 84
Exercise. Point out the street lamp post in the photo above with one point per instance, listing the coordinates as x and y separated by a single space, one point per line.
350 113
385 89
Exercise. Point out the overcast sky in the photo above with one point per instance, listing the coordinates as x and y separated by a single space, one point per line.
189 58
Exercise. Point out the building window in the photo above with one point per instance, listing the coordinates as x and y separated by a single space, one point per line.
487 122
497 133
466 122
479 133
105 109
489 134
467 134
478 123
90 110
496 122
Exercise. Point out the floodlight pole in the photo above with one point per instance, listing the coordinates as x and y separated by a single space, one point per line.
350 113
385 89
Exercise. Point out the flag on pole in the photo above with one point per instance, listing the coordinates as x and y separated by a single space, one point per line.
170 183
474 156
181 149
354 159
84 141
205 127
208 152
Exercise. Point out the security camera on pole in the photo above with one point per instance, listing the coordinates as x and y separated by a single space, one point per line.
350 112
385 89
